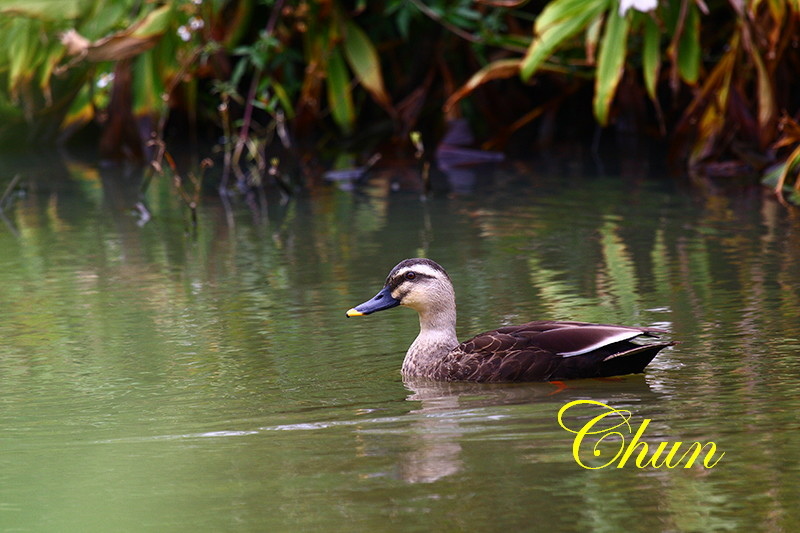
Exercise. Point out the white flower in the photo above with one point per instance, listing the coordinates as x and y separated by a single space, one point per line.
184 33
196 23
105 80
638 5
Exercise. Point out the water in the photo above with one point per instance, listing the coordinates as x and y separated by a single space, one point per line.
158 378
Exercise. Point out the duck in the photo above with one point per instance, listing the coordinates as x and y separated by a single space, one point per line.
544 350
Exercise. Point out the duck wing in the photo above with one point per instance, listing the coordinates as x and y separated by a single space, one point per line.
550 350
571 339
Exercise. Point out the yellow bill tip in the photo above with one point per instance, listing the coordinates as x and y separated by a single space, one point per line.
353 312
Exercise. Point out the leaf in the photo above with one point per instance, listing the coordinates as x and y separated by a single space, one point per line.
363 59
772 174
153 24
559 21
500 69
49 63
283 97
104 19
790 133
591 40
610 64
147 87
52 10
778 8
340 98
130 42
791 162
767 110
651 56
689 47
716 85
711 103
81 111
23 45
765 91
560 10
708 128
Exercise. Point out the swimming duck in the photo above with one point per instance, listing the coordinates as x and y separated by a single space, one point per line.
548 350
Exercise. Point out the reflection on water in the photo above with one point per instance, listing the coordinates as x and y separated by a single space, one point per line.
450 410
209 376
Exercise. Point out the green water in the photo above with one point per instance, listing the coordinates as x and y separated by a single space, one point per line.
156 378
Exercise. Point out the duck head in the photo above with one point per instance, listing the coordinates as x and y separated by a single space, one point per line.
418 283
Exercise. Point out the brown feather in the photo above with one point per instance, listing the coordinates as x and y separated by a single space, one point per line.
531 352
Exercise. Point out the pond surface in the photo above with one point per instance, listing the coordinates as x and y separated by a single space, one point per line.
159 378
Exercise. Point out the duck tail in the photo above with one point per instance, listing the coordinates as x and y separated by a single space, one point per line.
631 361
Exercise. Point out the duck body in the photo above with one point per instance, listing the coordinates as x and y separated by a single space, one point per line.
536 351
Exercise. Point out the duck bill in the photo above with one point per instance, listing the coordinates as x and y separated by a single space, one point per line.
382 300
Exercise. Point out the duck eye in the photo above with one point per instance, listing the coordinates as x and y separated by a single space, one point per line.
410 275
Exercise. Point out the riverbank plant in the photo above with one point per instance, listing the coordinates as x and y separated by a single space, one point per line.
713 80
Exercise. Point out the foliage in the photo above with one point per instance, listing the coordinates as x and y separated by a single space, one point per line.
61 59
780 176
729 77
717 75
740 92
568 34
302 49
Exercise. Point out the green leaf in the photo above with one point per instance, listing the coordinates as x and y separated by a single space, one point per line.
610 63
154 23
106 17
57 10
689 47
51 58
559 21
283 96
340 98
651 56
81 110
403 22
592 38
363 59
147 86
560 10
22 39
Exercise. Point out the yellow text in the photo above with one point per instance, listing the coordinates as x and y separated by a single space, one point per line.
606 429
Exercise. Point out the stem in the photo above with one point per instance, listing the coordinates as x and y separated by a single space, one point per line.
454 29
226 132
9 190
251 94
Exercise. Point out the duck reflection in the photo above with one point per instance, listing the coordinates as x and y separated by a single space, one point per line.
445 408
